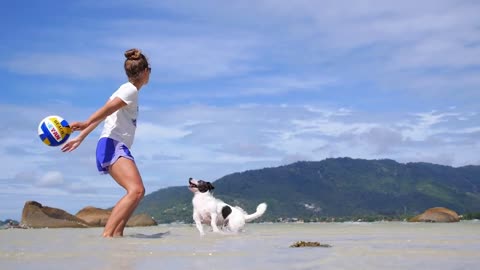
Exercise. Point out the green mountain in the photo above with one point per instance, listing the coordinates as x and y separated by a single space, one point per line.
7 222
340 187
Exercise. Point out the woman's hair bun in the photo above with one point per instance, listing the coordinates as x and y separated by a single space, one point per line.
135 64
133 54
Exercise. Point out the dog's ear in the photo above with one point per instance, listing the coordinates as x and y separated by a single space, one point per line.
210 186
204 186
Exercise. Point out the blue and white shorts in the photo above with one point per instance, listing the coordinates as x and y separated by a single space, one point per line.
109 151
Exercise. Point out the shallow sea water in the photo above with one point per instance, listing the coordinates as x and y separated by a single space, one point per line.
383 245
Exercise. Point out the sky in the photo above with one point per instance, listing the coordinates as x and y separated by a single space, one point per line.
235 86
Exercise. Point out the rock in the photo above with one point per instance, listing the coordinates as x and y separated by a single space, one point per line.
35 215
141 220
436 214
98 217
309 244
95 217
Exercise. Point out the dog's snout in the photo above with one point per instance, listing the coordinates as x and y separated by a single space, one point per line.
191 183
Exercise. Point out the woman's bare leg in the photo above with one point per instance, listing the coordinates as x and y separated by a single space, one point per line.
126 174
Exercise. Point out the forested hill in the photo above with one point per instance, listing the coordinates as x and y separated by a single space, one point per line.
339 187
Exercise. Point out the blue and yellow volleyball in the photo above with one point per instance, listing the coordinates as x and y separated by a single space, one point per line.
53 130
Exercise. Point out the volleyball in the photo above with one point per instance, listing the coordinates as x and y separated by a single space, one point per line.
53 130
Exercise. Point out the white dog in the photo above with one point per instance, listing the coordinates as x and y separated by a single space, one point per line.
208 210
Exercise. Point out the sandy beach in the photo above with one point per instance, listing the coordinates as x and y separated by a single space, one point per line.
383 245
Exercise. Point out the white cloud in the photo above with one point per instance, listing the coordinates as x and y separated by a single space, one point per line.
426 125
51 179
73 64
319 127
192 57
284 84
148 131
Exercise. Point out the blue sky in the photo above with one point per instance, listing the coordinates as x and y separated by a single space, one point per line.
236 86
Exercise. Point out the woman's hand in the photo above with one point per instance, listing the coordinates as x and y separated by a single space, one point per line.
72 144
75 126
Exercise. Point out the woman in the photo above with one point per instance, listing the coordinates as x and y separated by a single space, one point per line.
113 148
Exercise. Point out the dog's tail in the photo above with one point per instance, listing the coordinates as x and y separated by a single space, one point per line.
261 208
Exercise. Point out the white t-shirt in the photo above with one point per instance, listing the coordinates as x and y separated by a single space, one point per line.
121 124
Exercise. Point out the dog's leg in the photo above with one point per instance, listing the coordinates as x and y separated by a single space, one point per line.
198 223
213 223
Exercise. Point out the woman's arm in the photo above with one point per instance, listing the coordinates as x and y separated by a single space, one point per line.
93 121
